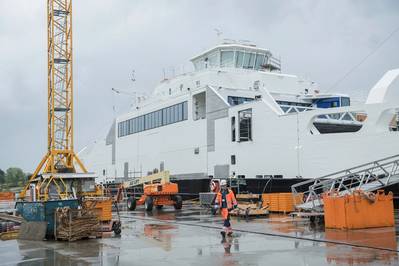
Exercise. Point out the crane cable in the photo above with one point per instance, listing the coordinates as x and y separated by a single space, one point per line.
364 59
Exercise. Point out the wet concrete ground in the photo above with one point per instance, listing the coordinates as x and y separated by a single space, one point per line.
191 237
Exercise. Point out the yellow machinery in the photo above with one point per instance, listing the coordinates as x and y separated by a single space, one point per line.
60 156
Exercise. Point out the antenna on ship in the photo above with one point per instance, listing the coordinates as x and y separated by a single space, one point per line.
133 76
219 33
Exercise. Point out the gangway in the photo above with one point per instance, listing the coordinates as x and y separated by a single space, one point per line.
367 177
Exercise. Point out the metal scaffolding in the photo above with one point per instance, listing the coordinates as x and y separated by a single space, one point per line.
367 177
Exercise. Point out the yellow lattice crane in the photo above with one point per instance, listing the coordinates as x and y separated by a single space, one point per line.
60 157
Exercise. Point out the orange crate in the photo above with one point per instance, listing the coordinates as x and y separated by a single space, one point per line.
355 211
280 202
103 207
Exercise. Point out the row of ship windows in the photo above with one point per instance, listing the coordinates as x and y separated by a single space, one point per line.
162 117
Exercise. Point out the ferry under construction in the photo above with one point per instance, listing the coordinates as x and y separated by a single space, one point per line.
237 115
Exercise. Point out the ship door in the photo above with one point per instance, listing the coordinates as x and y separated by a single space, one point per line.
126 170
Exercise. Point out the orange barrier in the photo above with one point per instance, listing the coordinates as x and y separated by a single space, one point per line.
7 195
280 202
358 210
103 207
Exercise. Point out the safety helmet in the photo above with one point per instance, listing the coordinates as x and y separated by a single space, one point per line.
223 182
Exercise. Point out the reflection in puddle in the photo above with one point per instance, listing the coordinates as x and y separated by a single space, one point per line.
228 242
159 234
383 238
66 253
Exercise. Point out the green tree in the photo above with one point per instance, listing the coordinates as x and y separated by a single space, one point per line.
2 177
14 175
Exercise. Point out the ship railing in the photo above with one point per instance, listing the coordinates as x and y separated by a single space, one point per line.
368 177
344 117
288 109
348 117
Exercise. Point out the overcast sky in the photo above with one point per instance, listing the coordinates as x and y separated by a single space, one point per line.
318 40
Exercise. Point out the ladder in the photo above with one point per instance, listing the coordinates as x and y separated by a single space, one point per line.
367 177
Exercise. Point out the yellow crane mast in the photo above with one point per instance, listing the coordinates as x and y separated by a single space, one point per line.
60 156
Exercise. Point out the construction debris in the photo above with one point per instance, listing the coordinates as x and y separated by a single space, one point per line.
249 205
12 218
75 224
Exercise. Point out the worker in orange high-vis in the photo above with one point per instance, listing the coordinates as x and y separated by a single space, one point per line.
225 201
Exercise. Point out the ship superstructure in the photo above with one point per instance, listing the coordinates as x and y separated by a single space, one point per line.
238 115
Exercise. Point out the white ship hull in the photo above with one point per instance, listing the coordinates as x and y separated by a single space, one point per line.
270 140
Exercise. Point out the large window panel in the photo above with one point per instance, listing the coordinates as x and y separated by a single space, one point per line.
146 121
213 60
134 125
173 114
168 115
252 61
185 110
164 116
227 59
142 122
123 128
180 112
249 60
176 112
149 121
160 117
259 61
131 126
239 59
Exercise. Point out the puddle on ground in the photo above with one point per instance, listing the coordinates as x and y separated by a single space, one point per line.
160 226
160 235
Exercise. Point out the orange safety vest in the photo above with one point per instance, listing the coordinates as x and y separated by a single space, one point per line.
230 198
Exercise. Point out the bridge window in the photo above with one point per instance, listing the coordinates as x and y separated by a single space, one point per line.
245 125
239 59
213 60
259 61
227 59
249 60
